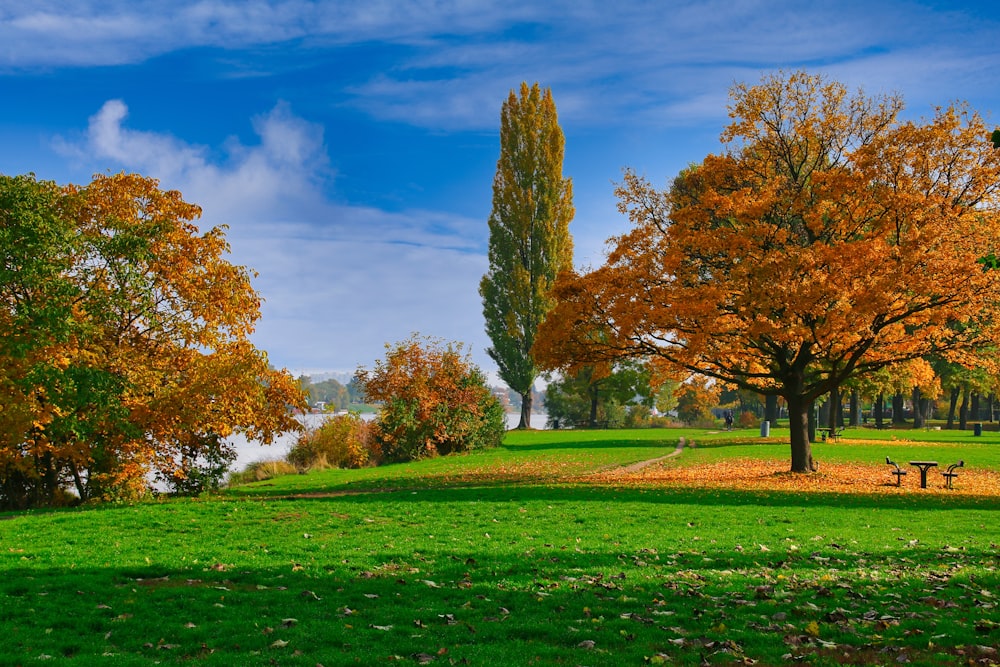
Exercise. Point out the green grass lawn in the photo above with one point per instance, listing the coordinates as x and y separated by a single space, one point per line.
495 558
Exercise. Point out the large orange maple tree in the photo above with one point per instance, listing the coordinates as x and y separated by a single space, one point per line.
828 239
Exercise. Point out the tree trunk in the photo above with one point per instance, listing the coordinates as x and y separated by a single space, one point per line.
799 411
918 416
897 408
833 412
81 488
974 408
823 414
771 409
963 410
879 410
952 405
594 395
49 480
811 421
855 417
525 410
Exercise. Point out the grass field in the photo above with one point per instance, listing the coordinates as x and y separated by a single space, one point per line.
552 550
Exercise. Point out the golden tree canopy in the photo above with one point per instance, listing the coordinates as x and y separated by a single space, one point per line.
829 238
125 342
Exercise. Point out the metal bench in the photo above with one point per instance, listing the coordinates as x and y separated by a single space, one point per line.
827 433
950 474
898 472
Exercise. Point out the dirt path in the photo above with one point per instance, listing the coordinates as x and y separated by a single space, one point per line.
636 467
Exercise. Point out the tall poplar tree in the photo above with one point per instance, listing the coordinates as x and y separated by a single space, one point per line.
529 235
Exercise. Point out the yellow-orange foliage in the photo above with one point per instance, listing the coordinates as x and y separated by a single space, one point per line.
829 239
747 474
434 401
157 365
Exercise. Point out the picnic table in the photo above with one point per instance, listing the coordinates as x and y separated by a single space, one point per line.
924 467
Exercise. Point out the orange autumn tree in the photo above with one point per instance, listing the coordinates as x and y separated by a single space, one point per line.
830 238
146 366
434 400
175 318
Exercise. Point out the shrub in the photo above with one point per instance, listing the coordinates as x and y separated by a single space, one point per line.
695 399
434 401
638 416
259 471
342 441
747 420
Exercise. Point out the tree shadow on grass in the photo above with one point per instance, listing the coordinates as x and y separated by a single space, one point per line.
341 606
665 443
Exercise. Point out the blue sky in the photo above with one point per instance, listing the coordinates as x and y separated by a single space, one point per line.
351 146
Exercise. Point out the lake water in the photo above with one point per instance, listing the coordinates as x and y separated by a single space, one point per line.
251 451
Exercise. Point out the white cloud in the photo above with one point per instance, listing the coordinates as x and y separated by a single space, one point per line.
338 281
461 56
47 33
282 175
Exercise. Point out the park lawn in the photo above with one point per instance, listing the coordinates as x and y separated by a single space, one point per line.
439 563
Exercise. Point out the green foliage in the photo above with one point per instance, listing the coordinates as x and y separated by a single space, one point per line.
592 396
37 246
204 462
434 401
37 293
565 408
342 441
529 234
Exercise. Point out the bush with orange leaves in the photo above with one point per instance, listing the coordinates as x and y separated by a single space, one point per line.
342 441
434 401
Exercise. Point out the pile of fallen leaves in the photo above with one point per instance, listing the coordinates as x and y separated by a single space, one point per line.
773 475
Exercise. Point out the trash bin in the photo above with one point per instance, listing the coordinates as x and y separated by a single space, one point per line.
765 429
977 429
